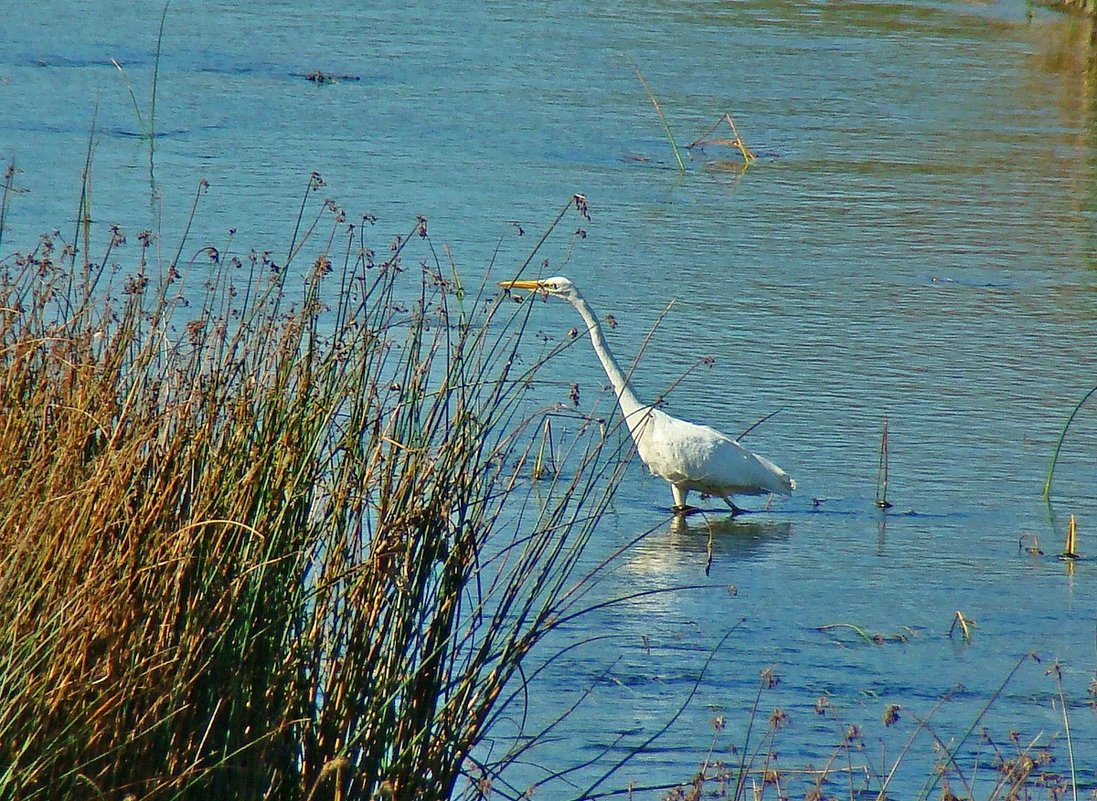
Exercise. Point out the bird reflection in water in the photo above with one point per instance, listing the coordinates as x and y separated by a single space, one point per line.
686 541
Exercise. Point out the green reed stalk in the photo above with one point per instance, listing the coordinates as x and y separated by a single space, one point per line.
662 118
1059 443
83 212
155 81
133 99
5 197
148 131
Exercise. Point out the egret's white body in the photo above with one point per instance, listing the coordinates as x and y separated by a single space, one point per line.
688 456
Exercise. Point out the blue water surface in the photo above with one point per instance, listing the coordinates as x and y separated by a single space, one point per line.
914 243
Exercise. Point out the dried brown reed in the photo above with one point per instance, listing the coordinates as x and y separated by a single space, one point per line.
965 625
882 471
1070 549
735 141
269 537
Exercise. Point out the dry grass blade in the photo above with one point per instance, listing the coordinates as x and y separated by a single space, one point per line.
964 623
736 141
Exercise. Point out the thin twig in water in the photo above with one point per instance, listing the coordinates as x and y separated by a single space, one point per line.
757 423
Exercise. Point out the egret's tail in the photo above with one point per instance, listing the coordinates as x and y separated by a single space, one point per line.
779 481
786 482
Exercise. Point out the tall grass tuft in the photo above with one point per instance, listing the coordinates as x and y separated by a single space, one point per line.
266 535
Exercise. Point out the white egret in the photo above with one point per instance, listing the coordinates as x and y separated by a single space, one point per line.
687 455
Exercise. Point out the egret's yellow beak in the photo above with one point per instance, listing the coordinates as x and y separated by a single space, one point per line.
524 284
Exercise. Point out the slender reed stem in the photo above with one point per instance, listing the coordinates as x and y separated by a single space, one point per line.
662 117
155 81
1057 671
1059 443
9 181
882 470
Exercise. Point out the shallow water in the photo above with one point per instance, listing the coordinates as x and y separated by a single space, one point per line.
915 243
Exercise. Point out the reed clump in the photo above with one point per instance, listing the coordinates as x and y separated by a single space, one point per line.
961 761
259 532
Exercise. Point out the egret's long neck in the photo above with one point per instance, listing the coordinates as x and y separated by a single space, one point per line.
630 405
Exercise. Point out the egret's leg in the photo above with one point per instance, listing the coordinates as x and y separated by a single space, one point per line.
735 510
680 504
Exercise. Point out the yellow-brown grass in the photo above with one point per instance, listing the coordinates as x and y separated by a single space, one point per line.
250 537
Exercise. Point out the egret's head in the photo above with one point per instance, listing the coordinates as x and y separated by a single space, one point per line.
558 287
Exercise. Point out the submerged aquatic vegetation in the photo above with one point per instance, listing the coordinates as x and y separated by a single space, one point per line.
265 532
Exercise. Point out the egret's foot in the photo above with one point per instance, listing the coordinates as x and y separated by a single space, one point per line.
686 509
735 510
